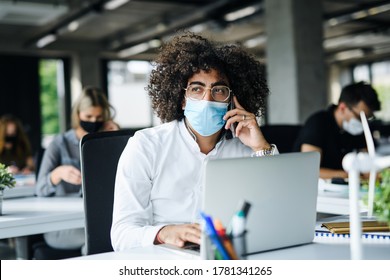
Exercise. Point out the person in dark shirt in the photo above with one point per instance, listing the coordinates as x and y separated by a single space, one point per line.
338 131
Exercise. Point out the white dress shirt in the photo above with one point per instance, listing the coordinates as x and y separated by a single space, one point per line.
159 182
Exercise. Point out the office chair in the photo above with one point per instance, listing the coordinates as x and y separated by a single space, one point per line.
282 135
100 153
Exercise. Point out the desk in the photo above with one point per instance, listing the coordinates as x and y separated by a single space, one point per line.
25 186
34 215
19 191
325 251
313 251
334 199
141 253
335 203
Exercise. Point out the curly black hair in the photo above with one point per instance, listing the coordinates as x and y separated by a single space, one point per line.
188 54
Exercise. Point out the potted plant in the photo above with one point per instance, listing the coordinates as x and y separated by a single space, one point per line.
382 200
7 180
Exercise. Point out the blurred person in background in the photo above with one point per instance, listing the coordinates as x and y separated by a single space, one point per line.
59 173
338 130
15 149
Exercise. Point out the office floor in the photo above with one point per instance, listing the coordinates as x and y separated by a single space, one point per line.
7 249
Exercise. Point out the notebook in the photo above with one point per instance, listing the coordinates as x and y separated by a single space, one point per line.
367 226
281 189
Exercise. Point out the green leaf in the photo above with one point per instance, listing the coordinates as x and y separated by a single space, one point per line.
7 179
382 199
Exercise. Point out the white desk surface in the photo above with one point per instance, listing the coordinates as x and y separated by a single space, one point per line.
142 253
325 251
334 198
333 203
313 251
19 191
25 186
33 215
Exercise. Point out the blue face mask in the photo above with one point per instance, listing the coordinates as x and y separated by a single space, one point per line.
206 117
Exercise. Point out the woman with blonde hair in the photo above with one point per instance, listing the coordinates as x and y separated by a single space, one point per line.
59 174
15 150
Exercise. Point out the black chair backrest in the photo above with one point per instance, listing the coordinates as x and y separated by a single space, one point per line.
100 153
282 135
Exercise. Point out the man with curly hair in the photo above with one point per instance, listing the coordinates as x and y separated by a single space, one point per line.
200 90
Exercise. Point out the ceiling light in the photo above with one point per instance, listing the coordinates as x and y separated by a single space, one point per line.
379 9
44 41
366 39
198 28
255 42
240 13
133 50
113 4
154 43
344 55
140 48
75 24
333 22
358 15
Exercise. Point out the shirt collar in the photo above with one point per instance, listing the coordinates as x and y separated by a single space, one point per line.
191 141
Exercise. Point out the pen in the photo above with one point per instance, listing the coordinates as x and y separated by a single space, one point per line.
225 240
211 232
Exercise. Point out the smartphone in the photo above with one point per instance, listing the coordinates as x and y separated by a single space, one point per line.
233 126
339 181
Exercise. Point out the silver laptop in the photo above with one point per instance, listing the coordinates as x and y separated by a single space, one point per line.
281 189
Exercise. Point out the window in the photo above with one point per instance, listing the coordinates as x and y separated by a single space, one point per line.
127 93
381 83
361 73
378 74
51 72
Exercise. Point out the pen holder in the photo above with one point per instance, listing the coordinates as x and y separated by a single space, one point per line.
214 248
207 248
239 244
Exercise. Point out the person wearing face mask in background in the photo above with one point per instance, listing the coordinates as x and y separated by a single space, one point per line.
338 131
158 187
59 174
15 150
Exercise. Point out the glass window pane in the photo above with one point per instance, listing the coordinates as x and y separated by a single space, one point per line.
51 98
381 83
361 73
127 93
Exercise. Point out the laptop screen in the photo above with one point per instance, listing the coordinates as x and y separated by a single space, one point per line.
281 189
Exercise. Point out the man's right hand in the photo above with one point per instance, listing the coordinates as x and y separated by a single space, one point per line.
178 235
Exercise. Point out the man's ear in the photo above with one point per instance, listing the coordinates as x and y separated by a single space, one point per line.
183 104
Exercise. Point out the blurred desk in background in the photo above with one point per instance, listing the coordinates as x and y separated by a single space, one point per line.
334 199
25 186
34 215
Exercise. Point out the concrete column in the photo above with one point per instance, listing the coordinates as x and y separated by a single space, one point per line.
295 60
85 71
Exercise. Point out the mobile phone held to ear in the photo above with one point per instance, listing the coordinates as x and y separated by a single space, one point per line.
233 126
